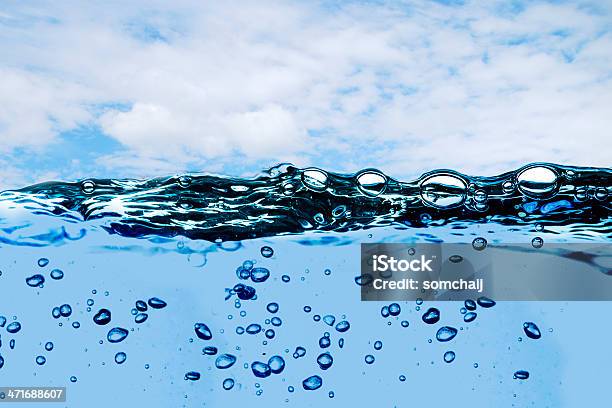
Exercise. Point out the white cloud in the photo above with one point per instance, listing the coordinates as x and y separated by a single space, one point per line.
418 86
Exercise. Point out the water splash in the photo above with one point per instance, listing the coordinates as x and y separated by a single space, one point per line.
288 200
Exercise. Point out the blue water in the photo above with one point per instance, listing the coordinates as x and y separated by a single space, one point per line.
164 257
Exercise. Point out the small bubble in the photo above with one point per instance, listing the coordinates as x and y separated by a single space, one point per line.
88 186
224 361
41 360
120 357
369 359
449 356
446 333
312 383
73 379
65 310
377 345
42 262
13 327
266 251
521 375
35 281
479 244
285 278
531 330
49 346
202 331
402 378
116 335
431 316
537 242
192 376
260 370
272 307
228 384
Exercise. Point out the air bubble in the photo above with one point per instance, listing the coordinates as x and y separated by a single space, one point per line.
446 333
102 317
157 303
276 364
225 361
41 360
485 302
202 331
88 186
266 251
521 375
228 384
120 357
57 274
443 191
479 244
449 356
537 242
315 179
371 183
531 330
325 360
377 345
192 376
369 359
42 262
35 280
469 317
431 316
116 335
312 383
537 181
260 370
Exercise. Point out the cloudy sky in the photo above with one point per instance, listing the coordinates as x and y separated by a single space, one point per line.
105 88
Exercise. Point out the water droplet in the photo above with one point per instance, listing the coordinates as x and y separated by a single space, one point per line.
42 262
157 303
537 181
202 331
184 181
343 326
443 191
35 280
276 364
446 333
102 317
449 356
312 383
259 275
192 376
13 327
479 244
266 252
537 242
369 359
120 357
65 310
431 316
272 307
531 330
116 335
521 375
49 346
371 183
485 302
315 179
88 186
469 317
261 370
225 361
228 384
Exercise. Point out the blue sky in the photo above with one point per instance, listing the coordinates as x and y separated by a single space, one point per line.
151 88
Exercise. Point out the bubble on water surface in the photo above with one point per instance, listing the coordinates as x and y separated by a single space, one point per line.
443 191
315 179
88 186
371 183
537 181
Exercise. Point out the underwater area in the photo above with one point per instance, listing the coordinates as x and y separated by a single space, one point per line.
206 290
